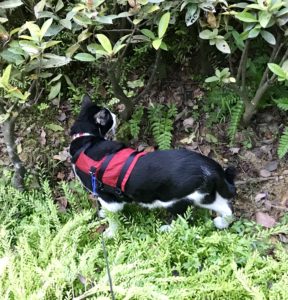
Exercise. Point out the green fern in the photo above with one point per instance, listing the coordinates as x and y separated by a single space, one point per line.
161 119
283 144
134 123
236 115
282 103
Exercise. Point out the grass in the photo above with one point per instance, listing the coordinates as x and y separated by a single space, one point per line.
45 254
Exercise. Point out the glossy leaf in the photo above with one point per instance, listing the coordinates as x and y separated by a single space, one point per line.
223 46
246 17
264 18
268 37
192 14
148 33
163 24
156 43
45 27
276 69
54 91
84 57
105 42
39 7
6 75
10 4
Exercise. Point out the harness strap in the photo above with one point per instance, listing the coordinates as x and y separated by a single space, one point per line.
78 152
104 165
124 169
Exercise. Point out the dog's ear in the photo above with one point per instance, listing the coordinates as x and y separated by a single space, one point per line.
86 101
103 117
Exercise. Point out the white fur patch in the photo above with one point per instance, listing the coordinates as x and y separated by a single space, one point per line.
113 206
196 197
158 204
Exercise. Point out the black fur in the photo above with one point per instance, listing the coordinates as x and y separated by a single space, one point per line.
160 175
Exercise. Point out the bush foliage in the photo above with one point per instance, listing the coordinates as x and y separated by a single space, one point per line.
46 254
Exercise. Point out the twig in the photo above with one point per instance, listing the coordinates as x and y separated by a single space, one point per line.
256 180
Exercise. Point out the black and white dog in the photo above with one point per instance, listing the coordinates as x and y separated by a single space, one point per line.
173 179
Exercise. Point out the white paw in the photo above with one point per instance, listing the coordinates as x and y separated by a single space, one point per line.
111 231
165 228
221 223
102 214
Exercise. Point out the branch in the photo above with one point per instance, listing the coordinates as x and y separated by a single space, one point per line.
151 79
273 56
243 61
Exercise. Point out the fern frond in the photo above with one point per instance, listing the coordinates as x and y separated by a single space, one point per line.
236 115
283 144
282 103
135 121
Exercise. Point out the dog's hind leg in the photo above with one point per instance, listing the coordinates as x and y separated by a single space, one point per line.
218 204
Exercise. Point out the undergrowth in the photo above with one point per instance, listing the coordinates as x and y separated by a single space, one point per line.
45 254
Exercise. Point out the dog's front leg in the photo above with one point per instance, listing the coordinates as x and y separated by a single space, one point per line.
108 210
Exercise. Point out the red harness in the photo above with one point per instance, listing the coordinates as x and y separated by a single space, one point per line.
117 170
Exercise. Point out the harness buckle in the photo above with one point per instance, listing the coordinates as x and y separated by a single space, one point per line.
118 191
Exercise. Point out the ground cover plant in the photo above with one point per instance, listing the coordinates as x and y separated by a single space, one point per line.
47 254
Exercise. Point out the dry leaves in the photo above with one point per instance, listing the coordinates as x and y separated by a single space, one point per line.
264 219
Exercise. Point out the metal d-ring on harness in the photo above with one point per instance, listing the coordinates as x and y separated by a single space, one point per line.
95 194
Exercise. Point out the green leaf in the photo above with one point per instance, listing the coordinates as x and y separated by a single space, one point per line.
253 33
206 34
84 35
276 69
238 40
66 23
285 66
55 79
105 42
163 46
54 61
212 79
106 19
192 14
29 47
148 33
45 27
246 17
82 20
49 44
54 127
156 43
54 91
117 48
39 7
223 46
6 75
163 24
268 37
84 57
264 18
59 5
10 4
71 50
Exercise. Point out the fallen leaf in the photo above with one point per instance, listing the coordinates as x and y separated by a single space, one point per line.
62 156
260 196
62 117
206 150
283 238
189 139
264 219
264 173
60 175
188 123
271 166
211 20
62 204
19 148
234 150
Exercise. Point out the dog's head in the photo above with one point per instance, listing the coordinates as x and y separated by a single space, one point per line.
94 119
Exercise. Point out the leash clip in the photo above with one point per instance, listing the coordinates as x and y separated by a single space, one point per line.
93 181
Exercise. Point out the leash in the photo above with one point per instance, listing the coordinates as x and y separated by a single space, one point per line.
94 194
